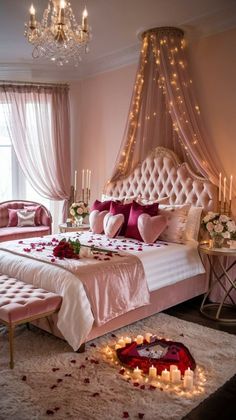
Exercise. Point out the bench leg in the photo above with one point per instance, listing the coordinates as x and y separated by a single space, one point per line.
11 345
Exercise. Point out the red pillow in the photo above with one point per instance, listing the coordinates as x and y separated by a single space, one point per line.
13 218
100 205
38 211
118 208
135 211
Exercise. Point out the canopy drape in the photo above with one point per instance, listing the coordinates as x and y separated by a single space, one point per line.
37 118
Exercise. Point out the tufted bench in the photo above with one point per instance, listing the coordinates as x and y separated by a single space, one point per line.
21 303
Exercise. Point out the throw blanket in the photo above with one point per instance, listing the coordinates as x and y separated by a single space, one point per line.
95 288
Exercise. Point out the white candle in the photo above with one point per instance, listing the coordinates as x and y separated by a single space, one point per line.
82 179
188 372
139 339
117 346
152 372
87 178
220 187
127 340
188 382
224 190
121 342
85 20
148 337
230 187
137 373
165 375
175 376
32 17
173 367
75 183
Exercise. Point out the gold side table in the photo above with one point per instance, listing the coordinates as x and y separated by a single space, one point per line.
64 228
223 277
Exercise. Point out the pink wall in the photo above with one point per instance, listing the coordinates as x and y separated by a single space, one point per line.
100 107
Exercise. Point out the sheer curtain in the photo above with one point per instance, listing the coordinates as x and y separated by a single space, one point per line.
164 110
38 125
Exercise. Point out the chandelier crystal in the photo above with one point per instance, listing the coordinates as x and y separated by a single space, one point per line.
58 36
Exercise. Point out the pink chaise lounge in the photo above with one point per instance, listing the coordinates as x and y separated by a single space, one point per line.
8 233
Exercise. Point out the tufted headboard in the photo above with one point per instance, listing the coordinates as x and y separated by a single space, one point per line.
161 174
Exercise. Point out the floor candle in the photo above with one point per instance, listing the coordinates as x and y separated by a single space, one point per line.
188 382
152 372
188 372
137 373
175 376
121 342
139 339
165 375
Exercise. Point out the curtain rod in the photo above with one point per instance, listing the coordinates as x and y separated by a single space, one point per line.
11 82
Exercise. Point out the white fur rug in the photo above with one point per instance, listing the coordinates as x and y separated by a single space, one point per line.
51 381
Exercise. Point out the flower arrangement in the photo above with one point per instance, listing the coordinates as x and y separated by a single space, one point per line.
79 209
219 225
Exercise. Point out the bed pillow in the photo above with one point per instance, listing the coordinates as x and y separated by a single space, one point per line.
119 208
96 219
150 228
193 223
100 206
123 200
136 210
38 213
25 218
112 224
12 217
162 200
176 222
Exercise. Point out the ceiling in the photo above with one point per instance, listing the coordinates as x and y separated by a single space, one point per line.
116 25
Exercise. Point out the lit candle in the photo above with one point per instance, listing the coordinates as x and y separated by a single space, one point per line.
139 339
165 375
117 346
75 182
85 20
82 179
224 190
148 337
137 373
220 187
230 187
188 372
188 382
62 12
121 342
127 340
175 376
32 17
152 372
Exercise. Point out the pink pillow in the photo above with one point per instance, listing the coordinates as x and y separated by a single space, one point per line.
100 205
13 218
38 212
118 208
150 228
96 218
135 211
112 224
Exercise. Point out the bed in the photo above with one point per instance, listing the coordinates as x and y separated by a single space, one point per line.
173 272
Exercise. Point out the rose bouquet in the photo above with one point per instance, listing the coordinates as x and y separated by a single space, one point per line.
219 225
79 210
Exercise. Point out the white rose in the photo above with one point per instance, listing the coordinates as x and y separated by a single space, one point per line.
210 226
207 218
223 218
226 235
72 212
80 211
231 226
218 228
74 205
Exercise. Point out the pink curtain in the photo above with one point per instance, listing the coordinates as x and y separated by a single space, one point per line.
164 110
38 124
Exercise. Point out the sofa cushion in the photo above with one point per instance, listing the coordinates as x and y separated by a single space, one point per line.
12 233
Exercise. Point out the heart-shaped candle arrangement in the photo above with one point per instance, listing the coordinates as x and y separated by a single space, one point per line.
159 353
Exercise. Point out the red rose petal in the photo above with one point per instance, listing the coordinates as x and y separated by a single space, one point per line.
140 415
96 394
82 367
125 415
23 378
56 408
93 345
49 412
73 361
53 386
136 384
122 371
142 387
151 387
87 381
59 380
55 369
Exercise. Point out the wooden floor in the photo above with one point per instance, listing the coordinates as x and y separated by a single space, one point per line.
222 404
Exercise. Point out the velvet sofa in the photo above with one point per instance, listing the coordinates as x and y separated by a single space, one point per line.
9 233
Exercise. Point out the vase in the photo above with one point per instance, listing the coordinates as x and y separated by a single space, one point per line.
79 220
217 241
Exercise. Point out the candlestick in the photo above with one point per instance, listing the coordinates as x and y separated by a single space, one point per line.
165 375
220 187
148 337
224 190
230 187
139 339
152 372
137 373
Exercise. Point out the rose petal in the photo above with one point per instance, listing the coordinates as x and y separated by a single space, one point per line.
140 415
49 412
23 378
125 415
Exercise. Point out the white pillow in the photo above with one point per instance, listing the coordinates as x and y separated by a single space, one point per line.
125 200
177 220
193 223
26 218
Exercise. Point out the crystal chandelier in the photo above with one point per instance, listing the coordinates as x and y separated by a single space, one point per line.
58 36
